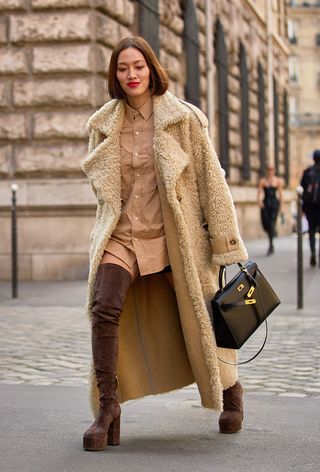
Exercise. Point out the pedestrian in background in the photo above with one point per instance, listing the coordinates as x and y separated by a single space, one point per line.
165 223
311 203
270 201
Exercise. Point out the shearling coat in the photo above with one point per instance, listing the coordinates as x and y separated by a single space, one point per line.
166 338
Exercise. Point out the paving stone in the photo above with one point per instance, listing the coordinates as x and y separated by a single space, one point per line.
40 382
11 382
294 395
262 393
312 390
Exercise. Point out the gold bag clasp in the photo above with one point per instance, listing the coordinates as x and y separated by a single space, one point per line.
250 291
251 301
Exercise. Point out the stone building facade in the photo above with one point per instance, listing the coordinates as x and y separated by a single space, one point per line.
227 56
304 82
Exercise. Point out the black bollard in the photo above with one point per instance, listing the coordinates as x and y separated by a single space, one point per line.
299 249
14 242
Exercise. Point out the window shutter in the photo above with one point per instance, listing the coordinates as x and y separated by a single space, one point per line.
276 124
149 23
221 61
244 118
191 47
286 138
261 123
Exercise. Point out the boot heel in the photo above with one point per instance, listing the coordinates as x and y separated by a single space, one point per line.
114 432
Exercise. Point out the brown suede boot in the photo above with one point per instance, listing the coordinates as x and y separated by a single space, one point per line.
230 420
112 284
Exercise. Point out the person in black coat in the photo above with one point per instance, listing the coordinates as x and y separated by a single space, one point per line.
311 203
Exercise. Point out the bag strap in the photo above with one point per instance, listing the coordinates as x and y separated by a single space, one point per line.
222 277
223 273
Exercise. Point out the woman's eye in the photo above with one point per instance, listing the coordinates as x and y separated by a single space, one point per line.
121 70
140 67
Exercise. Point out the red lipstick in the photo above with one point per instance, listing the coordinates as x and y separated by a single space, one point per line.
133 84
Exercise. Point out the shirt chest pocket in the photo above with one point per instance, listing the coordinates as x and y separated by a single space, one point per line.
137 172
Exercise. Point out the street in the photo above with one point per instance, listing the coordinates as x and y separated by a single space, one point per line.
45 357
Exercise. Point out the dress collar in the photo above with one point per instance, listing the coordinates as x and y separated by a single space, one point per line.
145 111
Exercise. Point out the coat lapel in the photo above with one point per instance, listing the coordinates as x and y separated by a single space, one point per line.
102 165
171 159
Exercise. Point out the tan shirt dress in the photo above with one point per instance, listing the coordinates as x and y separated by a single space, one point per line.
138 243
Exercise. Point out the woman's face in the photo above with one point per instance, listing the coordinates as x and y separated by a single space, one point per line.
270 171
133 73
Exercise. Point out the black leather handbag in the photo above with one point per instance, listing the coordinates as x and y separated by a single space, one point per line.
239 307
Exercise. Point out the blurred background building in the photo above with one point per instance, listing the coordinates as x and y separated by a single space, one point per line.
304 85
230 57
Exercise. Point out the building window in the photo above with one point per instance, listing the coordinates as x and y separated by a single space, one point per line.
293 110
221 62
276 124
148 14
292 31
191 47
244 117
286 138
261 122
293 69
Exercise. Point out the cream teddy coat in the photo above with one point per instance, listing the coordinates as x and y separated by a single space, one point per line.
166 338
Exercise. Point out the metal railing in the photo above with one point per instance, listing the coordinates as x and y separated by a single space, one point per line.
14 241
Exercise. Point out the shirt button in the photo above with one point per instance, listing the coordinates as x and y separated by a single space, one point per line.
136 196
137 132
138 175
135 239
135 153
136 218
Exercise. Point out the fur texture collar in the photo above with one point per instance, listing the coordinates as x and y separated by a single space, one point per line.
167 110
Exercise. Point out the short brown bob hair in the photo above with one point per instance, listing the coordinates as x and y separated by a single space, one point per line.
159 80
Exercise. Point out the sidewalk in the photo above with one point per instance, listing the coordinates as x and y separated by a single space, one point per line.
45 355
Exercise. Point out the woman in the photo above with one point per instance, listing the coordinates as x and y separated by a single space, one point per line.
310 183
270 203
165 224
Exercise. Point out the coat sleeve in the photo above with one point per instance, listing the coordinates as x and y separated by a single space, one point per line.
216 200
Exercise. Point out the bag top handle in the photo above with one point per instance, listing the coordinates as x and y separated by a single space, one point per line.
223 275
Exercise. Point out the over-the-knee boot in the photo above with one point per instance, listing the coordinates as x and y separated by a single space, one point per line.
230 420
112 283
